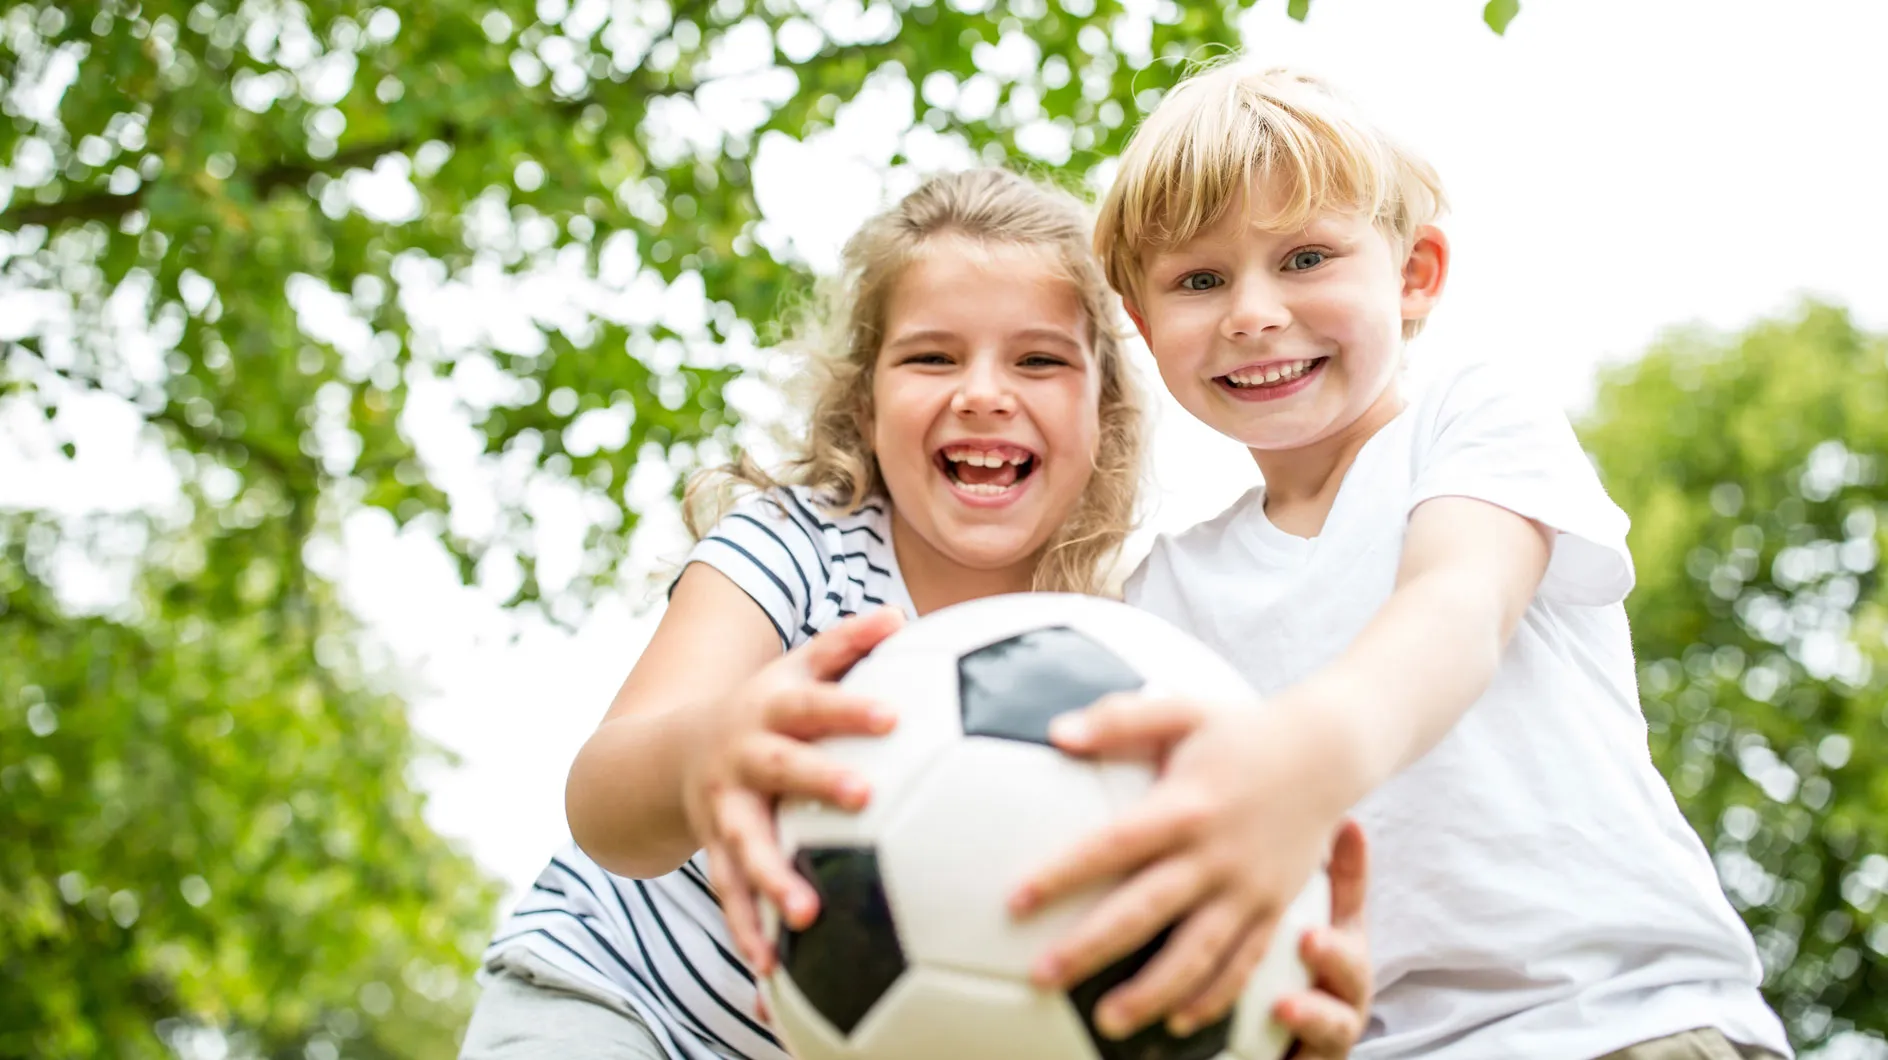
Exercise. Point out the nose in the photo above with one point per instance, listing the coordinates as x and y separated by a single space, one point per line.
983 389
1257 307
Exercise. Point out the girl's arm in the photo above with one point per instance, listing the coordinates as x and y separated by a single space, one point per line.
624 793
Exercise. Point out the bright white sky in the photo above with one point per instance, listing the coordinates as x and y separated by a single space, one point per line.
1616 168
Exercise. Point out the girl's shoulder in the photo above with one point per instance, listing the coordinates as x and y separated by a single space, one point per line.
806 511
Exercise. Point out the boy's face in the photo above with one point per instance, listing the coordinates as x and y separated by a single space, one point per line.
1286 339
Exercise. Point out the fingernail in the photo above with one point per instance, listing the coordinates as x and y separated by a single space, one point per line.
1022 900
1046 972
854 792
1111 1021
1180 1026
1068 729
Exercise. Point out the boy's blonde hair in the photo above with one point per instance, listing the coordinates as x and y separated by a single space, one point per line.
839 333
1231 128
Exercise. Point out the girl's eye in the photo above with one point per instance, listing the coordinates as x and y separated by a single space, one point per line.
1305 259
1043 360
1199 281
927 358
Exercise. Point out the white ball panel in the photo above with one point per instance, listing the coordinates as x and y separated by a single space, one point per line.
1126 783
922 688
805 1032
941 1014
989 813
1255 1035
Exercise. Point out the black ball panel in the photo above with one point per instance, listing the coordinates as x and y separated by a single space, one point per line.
1011 689
1153 1042
845 960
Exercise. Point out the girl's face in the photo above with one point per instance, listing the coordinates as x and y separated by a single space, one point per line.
985 405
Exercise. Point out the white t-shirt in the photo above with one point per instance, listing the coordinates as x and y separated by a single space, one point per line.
1536 892
661 947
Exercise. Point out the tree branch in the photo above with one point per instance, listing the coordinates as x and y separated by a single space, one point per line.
104 206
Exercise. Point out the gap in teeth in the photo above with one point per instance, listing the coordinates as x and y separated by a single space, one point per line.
982 457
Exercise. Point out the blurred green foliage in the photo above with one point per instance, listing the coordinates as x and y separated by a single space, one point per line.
208 822
1755 467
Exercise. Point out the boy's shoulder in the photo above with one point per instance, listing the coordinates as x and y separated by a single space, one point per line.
1207 533
1452 392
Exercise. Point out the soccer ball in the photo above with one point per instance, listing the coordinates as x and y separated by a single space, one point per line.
914 955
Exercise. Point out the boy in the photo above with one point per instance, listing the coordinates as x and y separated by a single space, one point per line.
1428 589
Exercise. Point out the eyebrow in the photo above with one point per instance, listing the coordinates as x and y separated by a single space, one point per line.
933 336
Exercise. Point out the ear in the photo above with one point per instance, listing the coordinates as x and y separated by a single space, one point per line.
1140 322
1425 271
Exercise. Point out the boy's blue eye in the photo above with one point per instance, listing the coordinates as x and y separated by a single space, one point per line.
1199 281
1306 259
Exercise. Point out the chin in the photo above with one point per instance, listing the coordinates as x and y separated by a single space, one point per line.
991 554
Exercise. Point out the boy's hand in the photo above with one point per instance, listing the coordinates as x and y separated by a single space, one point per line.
1329 1018
752 751
1241 816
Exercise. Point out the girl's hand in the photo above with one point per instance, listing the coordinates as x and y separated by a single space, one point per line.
1241 816
751 750
1330 1017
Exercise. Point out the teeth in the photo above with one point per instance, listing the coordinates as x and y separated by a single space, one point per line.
1271 373
986 489
983 457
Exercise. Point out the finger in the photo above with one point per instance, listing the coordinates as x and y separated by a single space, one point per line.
1123 921
1229 979
748 831
1178 972
830 654
1339 962
776 766
737 906
1350 875
1125 725
1326 1027
810 712
1151 829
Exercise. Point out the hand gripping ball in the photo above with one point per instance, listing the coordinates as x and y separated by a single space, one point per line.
914 955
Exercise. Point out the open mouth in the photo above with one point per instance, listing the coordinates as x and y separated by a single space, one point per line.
1274 376
984 469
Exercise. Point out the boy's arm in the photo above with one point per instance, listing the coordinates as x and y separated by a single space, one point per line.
1248 798
1468 572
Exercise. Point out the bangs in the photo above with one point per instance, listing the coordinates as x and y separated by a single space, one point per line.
1224 134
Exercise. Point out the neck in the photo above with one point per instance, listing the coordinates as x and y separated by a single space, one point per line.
1311 474
935 581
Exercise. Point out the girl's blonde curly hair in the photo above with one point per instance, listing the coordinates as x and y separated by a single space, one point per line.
839 332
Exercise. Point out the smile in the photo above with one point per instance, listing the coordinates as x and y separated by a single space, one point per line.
985 472
1266 382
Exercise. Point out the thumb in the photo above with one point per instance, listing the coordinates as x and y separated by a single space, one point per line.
831 653
1126 725
1350 874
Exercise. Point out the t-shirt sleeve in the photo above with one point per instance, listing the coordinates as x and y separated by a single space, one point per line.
1496 440
774 559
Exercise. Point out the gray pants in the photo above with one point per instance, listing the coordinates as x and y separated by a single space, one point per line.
530 1010
1705 1043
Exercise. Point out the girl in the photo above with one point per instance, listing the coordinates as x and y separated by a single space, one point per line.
974 430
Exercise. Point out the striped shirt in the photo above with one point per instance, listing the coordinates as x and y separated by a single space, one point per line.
661 947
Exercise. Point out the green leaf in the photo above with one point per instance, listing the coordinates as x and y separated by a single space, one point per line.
1499 13
1298 9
